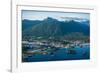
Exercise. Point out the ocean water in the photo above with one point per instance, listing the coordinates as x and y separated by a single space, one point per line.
77 53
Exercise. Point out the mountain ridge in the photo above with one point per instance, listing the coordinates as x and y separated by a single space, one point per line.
53 27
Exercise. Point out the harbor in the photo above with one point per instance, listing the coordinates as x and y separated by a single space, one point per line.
45 51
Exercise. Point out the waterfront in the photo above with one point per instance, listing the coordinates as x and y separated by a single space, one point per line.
37 53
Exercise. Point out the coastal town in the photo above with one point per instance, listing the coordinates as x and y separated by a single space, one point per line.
44 47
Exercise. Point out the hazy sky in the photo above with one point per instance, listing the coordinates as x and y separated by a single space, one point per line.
40 15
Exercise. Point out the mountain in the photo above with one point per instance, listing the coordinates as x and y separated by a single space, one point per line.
52 27
28 23
73 26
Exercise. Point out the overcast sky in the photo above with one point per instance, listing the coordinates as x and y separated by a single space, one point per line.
40 15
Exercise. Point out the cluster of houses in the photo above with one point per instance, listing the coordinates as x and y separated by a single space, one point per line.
55 44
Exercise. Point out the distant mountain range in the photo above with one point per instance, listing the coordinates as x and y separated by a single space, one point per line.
52 27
